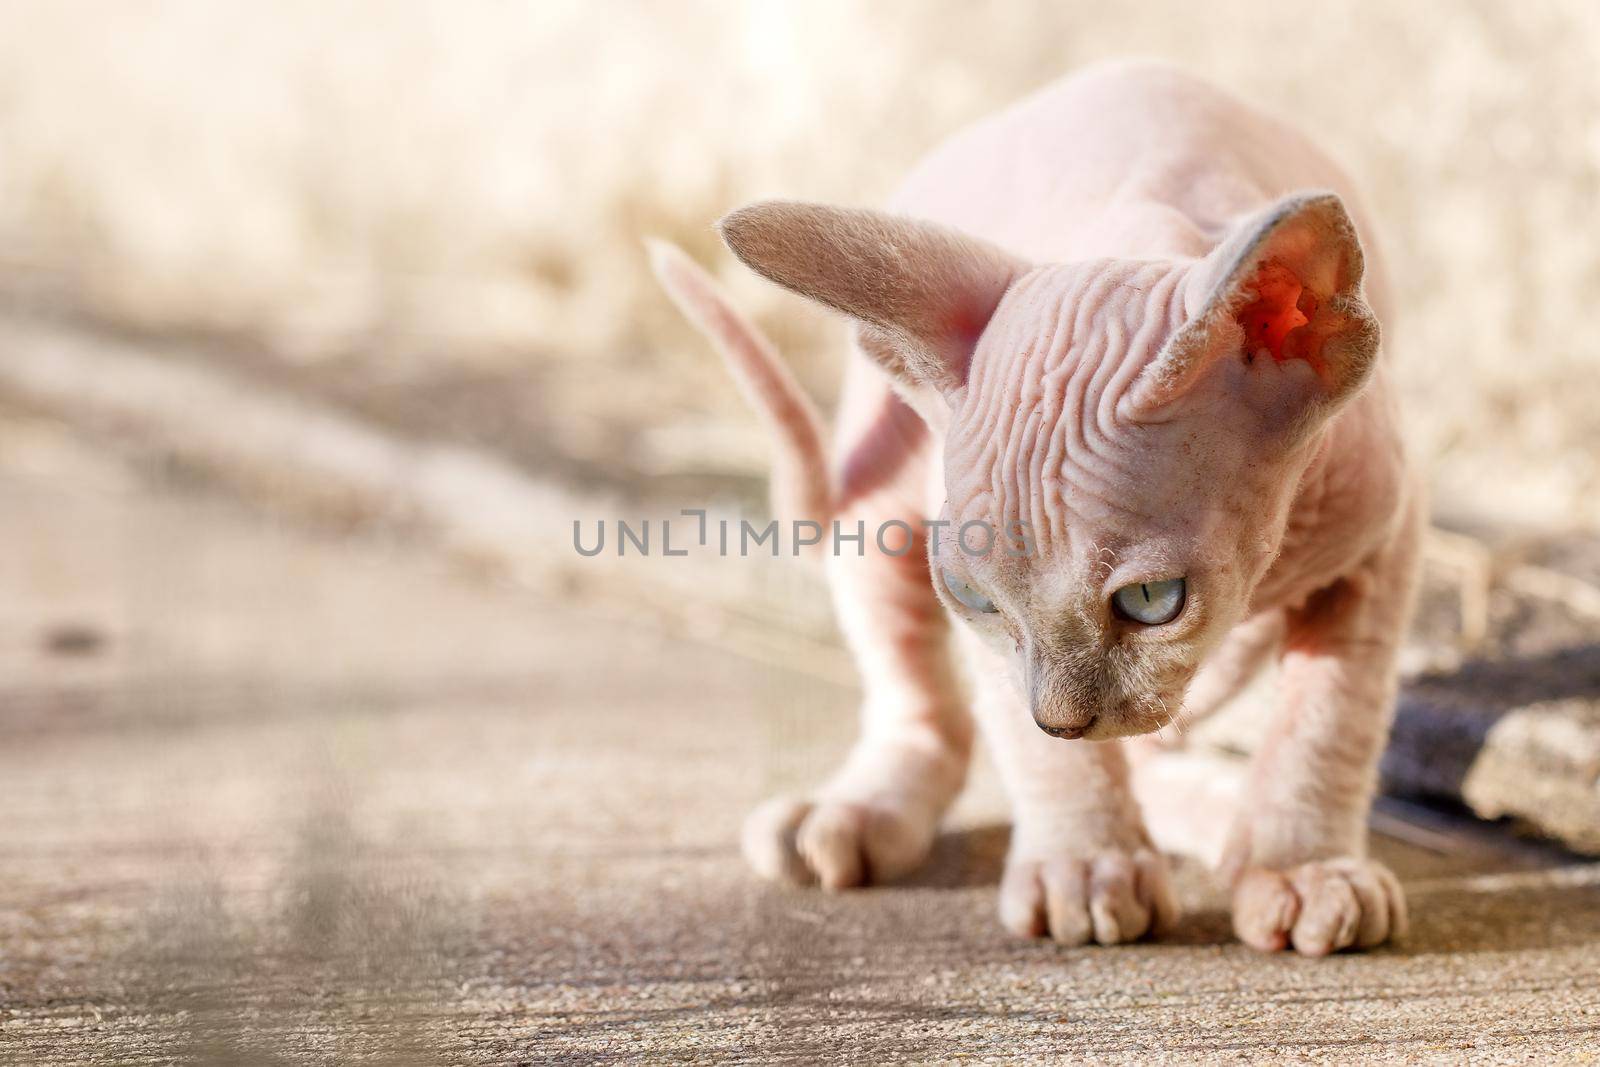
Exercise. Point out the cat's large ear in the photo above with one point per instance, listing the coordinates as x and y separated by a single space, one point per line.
923 293
1281 294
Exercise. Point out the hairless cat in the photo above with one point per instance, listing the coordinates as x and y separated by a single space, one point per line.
1135 318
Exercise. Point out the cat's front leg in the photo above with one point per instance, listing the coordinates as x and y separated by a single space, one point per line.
1298 851
875 818
1081 867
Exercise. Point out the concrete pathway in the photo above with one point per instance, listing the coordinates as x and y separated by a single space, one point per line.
281 797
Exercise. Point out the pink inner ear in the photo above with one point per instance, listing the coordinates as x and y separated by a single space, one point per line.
1279 320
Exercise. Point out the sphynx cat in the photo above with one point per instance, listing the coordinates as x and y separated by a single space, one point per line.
1134 318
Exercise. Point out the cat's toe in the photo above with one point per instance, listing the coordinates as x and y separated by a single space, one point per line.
768 840
1319 907
1109 897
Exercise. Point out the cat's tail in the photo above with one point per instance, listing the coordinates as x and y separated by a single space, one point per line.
800 485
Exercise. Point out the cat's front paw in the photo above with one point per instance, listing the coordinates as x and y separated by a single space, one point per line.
1107 896
874 822
837 844
1319 907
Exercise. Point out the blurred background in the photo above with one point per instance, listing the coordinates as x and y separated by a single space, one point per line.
322 320
406 199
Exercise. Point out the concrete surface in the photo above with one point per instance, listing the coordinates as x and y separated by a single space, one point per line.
275 797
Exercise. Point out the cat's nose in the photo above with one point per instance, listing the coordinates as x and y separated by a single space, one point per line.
1069 733
1059 708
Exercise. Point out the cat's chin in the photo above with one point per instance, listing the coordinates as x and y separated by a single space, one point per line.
1122 726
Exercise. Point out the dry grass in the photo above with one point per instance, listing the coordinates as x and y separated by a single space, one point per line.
401 183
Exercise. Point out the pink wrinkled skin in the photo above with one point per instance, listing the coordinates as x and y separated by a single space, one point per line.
1142 318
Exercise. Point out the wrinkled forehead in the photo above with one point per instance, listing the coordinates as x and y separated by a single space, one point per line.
1067 340
1035 436
1061 317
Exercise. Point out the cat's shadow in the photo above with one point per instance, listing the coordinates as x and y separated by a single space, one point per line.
962 859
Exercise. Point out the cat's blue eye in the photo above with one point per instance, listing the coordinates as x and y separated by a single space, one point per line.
1150 603
964 592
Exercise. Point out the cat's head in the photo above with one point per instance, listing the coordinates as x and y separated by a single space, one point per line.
1122 437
